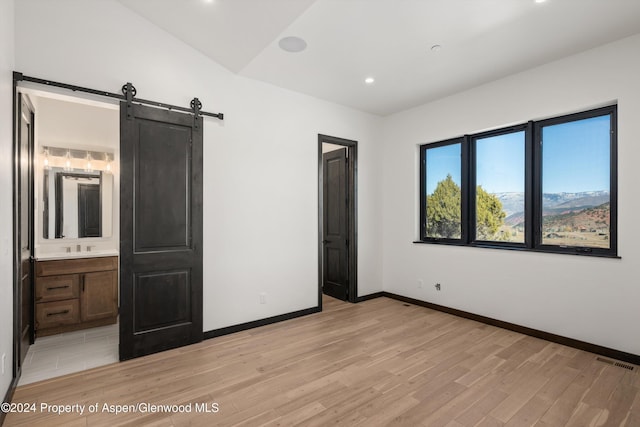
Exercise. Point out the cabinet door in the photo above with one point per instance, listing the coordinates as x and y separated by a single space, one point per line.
99 296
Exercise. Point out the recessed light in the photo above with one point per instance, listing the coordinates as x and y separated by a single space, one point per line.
292 44
369 80
540 1
436 48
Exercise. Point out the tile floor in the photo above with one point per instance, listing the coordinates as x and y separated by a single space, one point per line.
62 354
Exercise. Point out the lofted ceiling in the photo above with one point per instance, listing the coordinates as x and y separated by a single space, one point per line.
389 40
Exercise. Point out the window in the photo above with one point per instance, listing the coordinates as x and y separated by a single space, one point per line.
442 197
499 186
546 186
578 175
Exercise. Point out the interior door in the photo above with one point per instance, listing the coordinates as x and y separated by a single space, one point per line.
89 211
335 224
24 219
160 230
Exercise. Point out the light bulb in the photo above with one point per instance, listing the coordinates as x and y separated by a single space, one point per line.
89 167
67 163
46 159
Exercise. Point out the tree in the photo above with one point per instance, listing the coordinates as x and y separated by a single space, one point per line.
443 210
489 216
444 213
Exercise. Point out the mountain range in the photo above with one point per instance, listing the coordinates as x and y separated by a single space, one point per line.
556 204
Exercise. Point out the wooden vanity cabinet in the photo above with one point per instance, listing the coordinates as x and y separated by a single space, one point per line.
74 294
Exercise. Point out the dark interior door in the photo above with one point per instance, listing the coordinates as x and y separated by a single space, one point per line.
24 226
89 211
160 230
335 227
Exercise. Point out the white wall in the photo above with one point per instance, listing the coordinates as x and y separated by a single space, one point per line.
260 163
585 298
6 197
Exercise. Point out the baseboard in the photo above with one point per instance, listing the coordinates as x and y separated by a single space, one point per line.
570 342
8 397
368 297
257 323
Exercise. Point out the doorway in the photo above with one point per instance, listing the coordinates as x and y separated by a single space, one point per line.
66 212
337 224
159 301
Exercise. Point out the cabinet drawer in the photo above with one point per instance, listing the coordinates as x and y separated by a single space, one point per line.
49 314
75 265
56 288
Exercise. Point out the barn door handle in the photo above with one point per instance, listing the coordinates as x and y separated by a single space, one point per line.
58 312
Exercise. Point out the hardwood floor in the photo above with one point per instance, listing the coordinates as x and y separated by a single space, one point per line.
379 362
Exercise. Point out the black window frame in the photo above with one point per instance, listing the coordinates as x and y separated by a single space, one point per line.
612 251
464 211
533 187
473 139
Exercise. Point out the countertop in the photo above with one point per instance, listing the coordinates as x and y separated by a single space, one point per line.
74 255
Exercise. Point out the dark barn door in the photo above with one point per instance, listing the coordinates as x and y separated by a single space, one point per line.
160 230
335 227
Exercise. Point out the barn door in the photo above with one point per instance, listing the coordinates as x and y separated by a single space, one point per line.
160 230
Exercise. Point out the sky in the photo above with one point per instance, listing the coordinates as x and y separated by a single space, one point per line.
586 144
442 161
500 163
575 158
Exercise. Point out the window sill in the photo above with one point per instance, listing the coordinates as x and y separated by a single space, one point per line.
521 249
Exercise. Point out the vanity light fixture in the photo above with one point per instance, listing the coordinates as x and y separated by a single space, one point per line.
70 158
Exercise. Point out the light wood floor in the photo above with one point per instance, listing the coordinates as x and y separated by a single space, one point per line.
380 362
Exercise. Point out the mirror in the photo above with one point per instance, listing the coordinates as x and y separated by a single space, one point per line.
77 204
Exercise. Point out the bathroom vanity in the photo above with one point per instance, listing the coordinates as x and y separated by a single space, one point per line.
75 293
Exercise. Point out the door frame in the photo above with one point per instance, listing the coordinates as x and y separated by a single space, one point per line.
352 214
17 231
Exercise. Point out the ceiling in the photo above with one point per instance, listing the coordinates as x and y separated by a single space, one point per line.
389 40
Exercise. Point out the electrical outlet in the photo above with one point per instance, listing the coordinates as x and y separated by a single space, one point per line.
4 360
438 287
263 297
420 283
